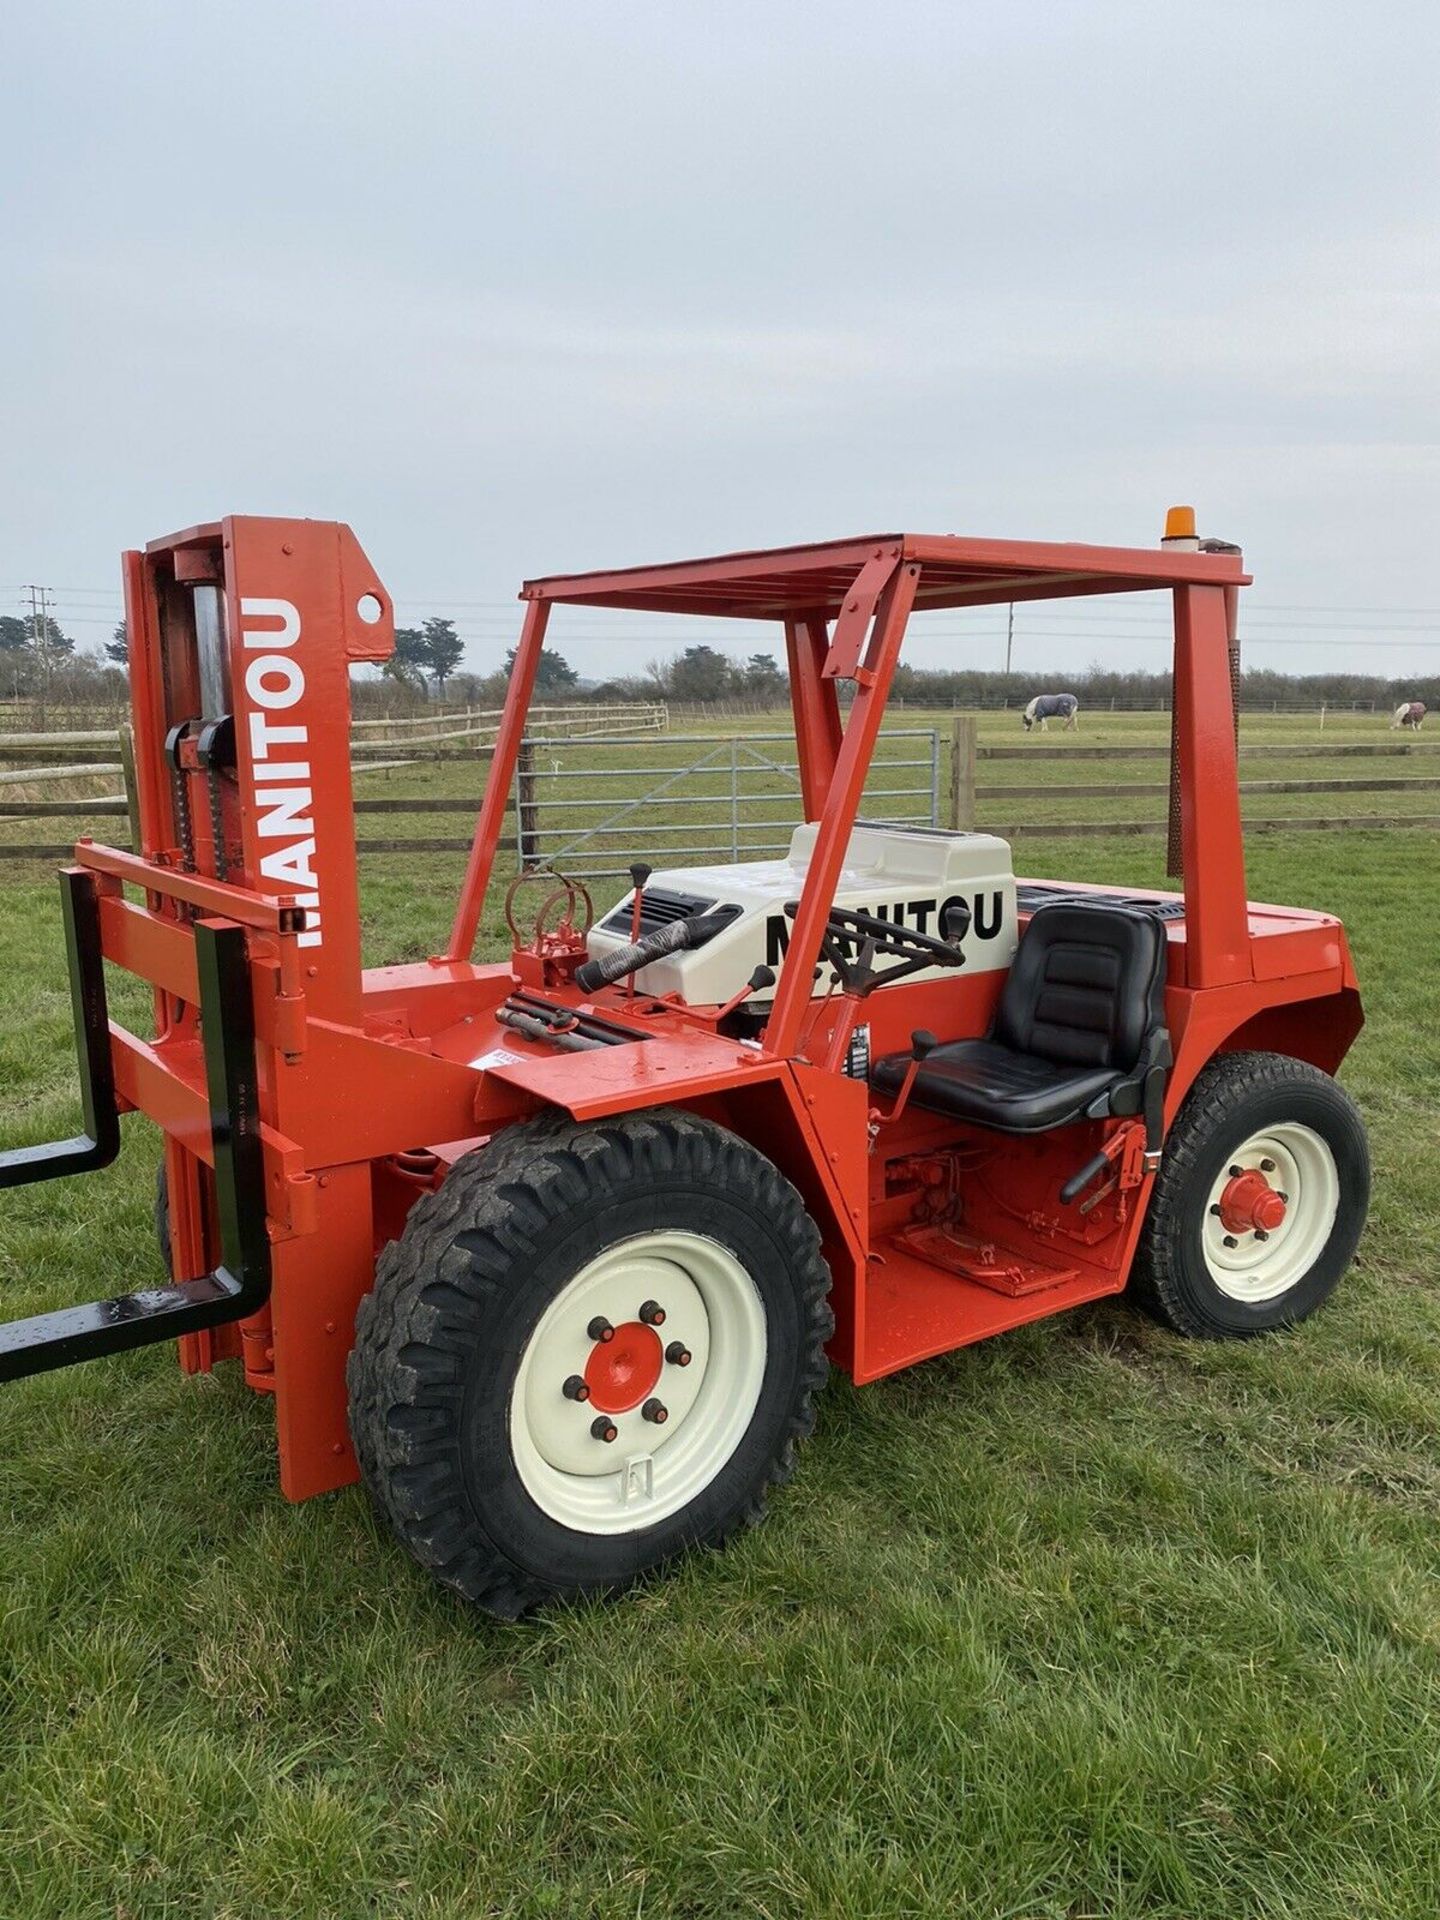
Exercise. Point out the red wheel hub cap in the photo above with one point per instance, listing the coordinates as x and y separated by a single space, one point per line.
622 1372
1249 1201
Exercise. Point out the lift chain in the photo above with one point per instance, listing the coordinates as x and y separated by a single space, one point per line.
217 830
215 754
182 817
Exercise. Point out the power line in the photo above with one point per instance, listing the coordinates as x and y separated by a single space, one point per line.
1061 607
1252 607
660 641
1059 630
493 623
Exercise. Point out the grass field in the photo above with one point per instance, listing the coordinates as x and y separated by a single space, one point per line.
1087 1621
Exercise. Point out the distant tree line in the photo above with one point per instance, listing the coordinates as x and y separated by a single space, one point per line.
702 676
1100 686
40 662
430 652
33 647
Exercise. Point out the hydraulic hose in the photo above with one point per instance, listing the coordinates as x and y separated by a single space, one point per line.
534 1029
607 968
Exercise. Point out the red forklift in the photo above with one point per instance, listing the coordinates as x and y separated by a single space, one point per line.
554 1251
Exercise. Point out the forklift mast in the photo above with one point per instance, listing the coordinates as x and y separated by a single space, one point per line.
241 636
241 640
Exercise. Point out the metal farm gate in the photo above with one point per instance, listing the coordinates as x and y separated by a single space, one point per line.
593 806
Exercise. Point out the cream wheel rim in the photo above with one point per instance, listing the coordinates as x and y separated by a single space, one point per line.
675 1421
1256 1264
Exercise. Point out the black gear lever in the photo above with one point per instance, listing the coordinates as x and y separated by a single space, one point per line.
955 922
922 1044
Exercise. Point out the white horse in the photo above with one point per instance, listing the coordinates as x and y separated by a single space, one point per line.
1409 713
1051 706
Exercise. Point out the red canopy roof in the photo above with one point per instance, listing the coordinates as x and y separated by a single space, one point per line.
779 582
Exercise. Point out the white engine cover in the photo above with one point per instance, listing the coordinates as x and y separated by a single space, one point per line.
905 874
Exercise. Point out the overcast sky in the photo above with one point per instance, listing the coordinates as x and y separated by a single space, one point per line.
526 288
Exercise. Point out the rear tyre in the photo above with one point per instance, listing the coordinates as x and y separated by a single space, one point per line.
1259 1202
592 1348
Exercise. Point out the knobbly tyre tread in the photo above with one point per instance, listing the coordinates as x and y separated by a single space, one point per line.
1156 1284
451 1265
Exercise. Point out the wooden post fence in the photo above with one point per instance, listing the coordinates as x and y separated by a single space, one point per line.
132 784
527 806
962 771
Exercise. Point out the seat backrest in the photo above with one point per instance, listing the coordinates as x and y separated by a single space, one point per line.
1087 986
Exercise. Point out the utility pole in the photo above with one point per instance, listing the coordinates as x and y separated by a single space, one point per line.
41 601
1009 641
40 640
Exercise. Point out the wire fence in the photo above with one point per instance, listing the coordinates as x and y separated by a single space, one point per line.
694 799
467 730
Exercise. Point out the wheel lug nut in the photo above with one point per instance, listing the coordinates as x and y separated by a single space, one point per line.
575 1388
1267 1166
655 1410
600 1329
652 1313
1235 1172
1231 1241
604 1429
1215 1211
1261 1234
1285 1199
678 1354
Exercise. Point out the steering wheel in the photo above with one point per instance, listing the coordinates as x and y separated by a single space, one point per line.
870 938
572 895
895 937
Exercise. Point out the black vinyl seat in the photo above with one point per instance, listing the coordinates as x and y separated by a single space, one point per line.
1079 1032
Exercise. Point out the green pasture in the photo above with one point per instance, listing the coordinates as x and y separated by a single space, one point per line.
1086 1621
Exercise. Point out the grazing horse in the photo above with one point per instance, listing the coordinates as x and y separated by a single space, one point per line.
1051 706
1409 713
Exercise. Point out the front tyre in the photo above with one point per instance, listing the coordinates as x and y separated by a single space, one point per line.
592 1348
1259 1202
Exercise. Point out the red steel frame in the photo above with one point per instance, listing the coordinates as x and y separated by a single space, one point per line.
359 1068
